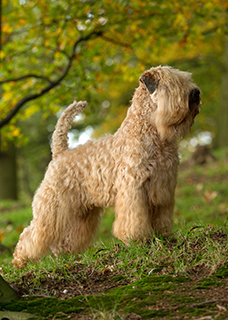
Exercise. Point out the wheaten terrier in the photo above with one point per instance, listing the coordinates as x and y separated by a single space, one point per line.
134 170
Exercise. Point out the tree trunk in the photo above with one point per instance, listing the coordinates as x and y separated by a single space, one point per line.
222 125
8 173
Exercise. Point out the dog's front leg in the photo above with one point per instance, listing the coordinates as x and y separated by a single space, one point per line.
161 219
132 215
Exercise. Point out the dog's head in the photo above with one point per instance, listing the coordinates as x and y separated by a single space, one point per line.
176 97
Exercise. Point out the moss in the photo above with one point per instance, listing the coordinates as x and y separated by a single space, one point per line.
130 298
150 297
45 306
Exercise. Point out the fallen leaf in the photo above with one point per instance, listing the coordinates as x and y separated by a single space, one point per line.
209 195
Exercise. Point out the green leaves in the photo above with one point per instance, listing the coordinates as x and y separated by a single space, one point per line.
57 51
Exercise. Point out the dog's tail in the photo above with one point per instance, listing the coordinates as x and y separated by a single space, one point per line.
59 137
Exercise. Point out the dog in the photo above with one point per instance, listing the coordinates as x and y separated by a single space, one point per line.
134 170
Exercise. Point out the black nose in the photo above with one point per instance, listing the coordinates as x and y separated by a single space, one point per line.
195 92
194 97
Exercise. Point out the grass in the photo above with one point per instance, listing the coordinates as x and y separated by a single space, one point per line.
131 280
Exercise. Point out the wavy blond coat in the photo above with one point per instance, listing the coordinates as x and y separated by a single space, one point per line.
134 170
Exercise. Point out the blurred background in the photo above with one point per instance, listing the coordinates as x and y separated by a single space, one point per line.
53 52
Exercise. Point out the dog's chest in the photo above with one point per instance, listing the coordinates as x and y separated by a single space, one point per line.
162 175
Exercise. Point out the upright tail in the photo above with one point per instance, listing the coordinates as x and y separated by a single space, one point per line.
59 137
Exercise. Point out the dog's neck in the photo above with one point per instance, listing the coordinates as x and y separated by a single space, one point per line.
139 127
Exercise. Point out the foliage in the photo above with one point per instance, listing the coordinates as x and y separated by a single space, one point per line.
57 51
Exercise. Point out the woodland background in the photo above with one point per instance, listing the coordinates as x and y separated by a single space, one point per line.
53 52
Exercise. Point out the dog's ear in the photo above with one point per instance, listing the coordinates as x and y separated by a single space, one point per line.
149 81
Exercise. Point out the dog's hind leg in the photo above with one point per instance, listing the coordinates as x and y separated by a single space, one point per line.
31 246
50 222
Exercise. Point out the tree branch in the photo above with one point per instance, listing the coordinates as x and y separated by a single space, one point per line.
25 77
112 40
51 84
